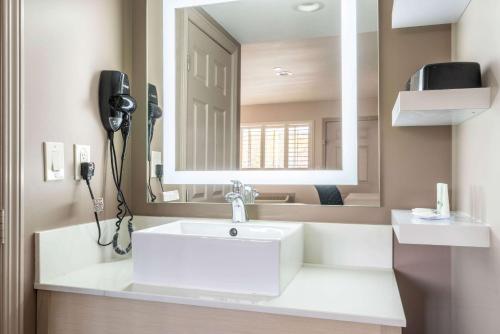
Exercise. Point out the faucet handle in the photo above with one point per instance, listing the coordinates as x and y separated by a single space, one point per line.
237 186
252 195
255 193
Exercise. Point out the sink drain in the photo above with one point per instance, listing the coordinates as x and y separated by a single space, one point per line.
233 232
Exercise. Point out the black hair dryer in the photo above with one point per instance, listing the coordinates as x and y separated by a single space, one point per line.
115 103
116 107
154 113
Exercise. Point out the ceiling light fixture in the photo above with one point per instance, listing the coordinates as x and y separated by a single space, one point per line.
309 7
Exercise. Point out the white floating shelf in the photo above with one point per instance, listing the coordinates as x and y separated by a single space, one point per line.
413 13
459 230
439 107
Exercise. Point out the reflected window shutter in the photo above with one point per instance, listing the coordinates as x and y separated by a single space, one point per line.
299 145
251 147
274 145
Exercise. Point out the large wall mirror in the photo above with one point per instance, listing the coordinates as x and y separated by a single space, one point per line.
279 94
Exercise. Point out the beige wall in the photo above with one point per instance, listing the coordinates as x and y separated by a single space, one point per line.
413 160
476 177
407 179
67 44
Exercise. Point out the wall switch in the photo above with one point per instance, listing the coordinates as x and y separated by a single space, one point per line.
155 160
53 154
81 154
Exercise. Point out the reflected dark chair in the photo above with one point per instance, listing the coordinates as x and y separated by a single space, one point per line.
329 195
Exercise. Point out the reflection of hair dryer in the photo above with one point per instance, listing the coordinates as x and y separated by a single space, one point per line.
154 112
115 103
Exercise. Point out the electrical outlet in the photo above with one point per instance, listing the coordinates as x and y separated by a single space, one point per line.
155 160
81 154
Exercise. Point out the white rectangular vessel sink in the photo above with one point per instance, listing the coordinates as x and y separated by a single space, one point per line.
253 258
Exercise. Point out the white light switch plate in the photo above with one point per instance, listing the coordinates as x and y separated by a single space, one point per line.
170 196
155 160
53 154
81 154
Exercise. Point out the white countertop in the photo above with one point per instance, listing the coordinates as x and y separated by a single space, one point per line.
338 293
351 278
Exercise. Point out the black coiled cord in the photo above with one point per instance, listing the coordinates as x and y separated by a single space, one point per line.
122 207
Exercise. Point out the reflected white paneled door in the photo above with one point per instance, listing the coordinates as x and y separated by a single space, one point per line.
368 153
368 165
209 134
333 144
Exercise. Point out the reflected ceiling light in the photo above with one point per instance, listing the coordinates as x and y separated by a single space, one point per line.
283 73
309 7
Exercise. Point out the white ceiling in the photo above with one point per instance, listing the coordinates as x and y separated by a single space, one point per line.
313 62
411 13
257 21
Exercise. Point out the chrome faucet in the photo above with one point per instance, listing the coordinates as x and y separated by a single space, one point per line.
237 200
238 206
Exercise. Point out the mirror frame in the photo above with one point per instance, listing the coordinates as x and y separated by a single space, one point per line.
348 175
